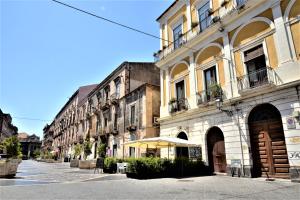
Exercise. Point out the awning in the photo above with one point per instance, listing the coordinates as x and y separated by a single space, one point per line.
160 142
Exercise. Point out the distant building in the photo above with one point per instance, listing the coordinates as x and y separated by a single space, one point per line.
62 133
29 143
7 129
48 132
122 108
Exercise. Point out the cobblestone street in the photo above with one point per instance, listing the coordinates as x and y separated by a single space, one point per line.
58 181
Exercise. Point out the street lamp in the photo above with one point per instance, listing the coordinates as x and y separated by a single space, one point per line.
219 105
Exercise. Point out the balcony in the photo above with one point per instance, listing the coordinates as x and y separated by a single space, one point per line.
264 77
209 95
178 105
131 127
114 98
104 104
115 130
214 16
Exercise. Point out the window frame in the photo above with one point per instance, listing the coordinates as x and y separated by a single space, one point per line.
200 5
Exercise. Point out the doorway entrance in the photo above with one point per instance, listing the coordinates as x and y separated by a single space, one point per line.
216 150
268 147
182 151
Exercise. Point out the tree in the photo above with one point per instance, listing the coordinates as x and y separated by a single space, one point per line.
12 147
87 146
77 150
101 150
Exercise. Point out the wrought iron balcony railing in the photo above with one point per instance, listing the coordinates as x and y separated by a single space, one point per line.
104 104
178 105
114 98
256 79
213 16
209 95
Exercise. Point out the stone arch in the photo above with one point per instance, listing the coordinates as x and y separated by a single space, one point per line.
182 151
215 145
288 10
268 148
262 20
212 46
179 69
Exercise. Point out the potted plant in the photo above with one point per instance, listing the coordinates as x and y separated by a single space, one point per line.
172 105
77 152
87 150
216 90
12 148
194 25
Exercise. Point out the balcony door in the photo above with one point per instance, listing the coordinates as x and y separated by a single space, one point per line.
255 62
204 18
180 92
210 75
177 33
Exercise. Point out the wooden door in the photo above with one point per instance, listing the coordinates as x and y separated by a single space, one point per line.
269 150
216 151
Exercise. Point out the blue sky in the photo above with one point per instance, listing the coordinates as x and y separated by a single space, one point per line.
48 51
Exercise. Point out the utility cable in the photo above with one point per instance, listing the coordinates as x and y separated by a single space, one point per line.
116 23
33 119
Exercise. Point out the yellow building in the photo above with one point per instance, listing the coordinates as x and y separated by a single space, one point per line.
230 80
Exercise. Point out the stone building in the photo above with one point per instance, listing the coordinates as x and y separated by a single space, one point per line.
131 90
48 132
29 143
65 130
230 83
7 129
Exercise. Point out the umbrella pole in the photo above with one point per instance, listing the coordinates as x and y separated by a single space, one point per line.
168 151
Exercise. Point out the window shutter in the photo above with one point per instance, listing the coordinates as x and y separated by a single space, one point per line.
254 53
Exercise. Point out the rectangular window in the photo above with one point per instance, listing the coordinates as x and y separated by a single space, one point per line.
177 33
210 76
180 92
131 152
132 114
105 122
118 84
240 3
204 17
115 150
255 62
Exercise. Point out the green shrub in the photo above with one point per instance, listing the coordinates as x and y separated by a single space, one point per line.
37 153
77 150
12 147
87 146
110 165
157 167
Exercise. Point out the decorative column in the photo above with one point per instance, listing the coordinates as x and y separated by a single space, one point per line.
167 86
192 78
161 36
162 88
281 39
166 38
188 15
228 66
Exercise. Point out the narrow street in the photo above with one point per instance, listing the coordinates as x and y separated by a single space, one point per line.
57 181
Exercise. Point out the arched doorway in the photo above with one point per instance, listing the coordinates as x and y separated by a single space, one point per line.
182 151
216 150
268 147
